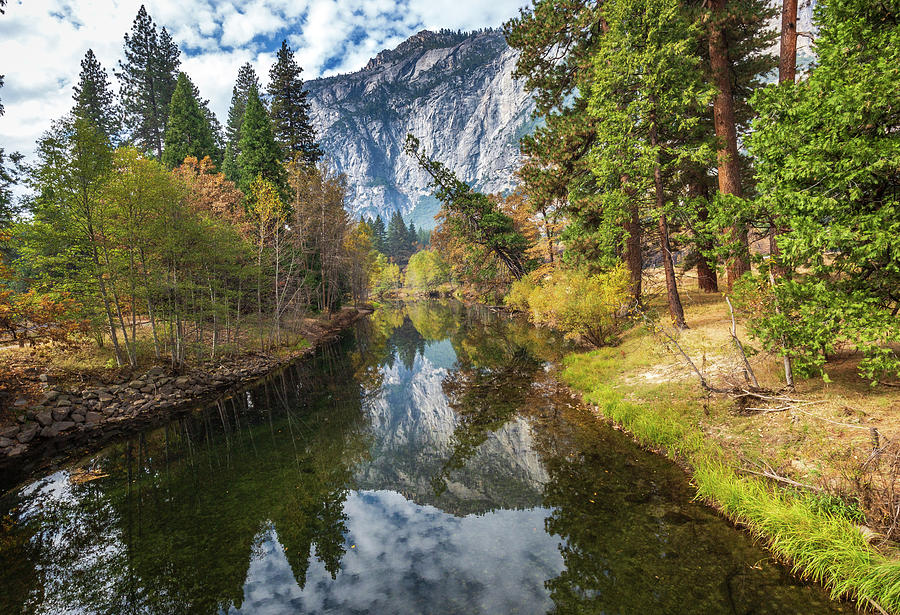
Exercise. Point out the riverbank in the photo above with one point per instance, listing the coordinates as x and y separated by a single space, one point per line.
76 418
813 478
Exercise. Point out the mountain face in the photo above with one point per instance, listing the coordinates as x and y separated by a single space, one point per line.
455 92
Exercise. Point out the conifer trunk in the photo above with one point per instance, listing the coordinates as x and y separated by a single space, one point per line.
634 259
726 131
787 67
675 308
787 73
707 278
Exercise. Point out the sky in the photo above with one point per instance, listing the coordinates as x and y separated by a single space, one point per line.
42 43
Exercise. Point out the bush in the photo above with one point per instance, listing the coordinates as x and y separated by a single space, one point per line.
426 270
592 308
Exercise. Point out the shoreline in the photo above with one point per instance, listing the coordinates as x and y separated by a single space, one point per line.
818 545
73 423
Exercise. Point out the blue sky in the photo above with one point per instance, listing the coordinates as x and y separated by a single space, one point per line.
43 41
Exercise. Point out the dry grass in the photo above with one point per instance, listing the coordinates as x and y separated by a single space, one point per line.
828 445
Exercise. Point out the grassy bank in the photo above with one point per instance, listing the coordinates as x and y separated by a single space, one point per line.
821 444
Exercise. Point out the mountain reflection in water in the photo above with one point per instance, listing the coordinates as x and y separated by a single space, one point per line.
427 463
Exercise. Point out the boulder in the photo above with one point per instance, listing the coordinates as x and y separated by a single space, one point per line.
92 418
20 403
77 417
9 432
147 389
44 418
28 432
105 396
51 395
5 442
63 402
60 414
137 384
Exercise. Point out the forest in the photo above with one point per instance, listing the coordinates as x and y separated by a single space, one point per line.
677 152
150 228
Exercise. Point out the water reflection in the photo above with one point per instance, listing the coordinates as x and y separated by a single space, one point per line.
426 464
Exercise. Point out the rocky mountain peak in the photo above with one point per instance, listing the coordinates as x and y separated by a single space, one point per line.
453 90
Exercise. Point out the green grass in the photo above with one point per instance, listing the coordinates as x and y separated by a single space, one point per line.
819 541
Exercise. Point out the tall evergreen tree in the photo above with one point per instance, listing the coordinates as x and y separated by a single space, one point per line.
246 80
827 158
379 234
290 109
94 101
643 129
10 169
168 62
147 79
412 236
259 154
397 243
188 132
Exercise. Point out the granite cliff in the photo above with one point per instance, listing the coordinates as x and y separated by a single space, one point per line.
454 91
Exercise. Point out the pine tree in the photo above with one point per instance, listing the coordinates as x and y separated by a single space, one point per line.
94 101
188 132
259 153
827 155
643 130
411 237
290 109
147 80
168 62
379 234
397 242
246 80
9 175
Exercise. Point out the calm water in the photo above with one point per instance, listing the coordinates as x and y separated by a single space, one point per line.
425 464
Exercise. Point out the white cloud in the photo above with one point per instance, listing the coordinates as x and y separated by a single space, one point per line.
43 41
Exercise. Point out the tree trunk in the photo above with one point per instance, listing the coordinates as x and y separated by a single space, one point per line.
675 308
707 278
787 73
787 67
634 259
726 131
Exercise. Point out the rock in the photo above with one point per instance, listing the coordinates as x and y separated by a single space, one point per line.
44 378
44 418
147 389
60 414
9 432
92 418
77 418
5 442
63 402
137 384
17 450
88 395
182 381
63 426
20 403
105 396
21 418
51 395
29 431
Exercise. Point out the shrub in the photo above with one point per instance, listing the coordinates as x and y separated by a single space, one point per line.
592 308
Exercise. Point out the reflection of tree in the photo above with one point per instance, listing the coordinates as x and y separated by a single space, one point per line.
173 527
497 361
434 320
634 543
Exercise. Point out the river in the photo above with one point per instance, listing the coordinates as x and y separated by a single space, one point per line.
425 463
